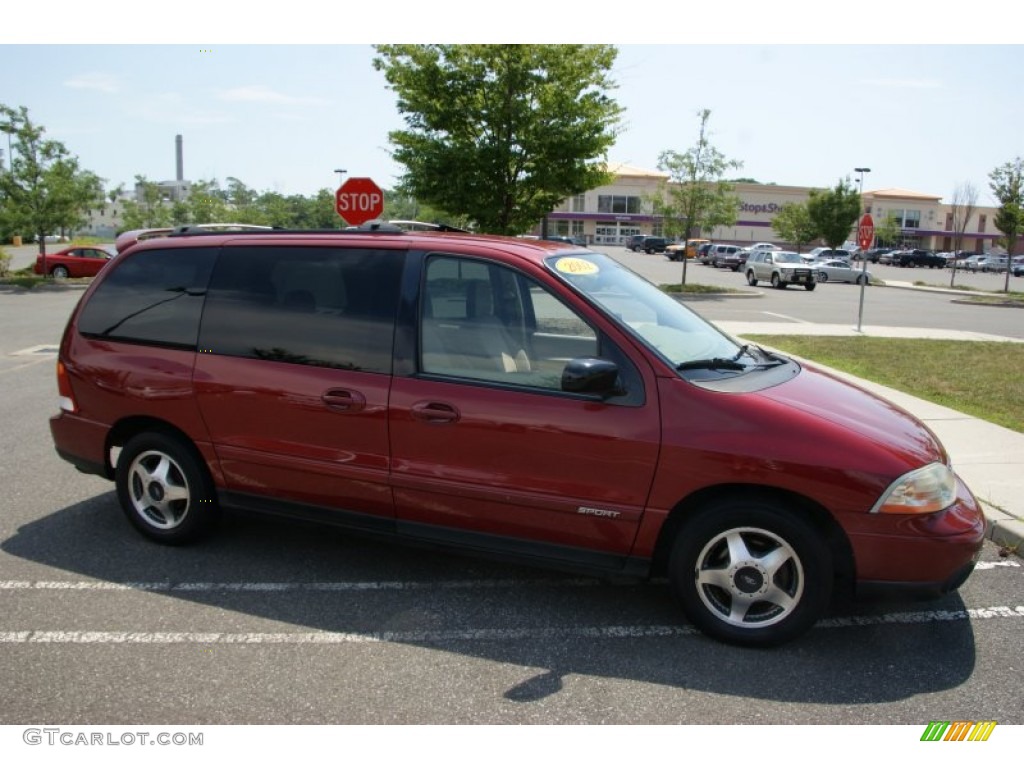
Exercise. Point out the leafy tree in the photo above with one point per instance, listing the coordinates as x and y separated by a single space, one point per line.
696 197
206 203
794 224
44 190
147 210
965 197
501 134
888 232
834 212
1007 184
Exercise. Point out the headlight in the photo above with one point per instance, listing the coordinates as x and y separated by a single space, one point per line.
923 491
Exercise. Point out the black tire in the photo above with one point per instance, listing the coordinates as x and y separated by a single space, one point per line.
861 280
165 489
823 277
751 573
751 280
777 282
810 286
60 272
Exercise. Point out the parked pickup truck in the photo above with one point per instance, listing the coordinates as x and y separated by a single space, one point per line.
918 257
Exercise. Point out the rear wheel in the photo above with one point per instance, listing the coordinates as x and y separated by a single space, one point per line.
823 277
164 488
861 280
751 280
751 573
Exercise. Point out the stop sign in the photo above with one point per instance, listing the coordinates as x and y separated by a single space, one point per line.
358 200
866 232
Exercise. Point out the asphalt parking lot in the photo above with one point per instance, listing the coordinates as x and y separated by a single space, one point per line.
276 623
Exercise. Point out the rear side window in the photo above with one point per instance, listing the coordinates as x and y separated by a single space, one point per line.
152 297
328 307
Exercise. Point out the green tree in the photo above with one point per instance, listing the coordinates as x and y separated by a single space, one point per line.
793 223
1007 184
834 212
148 209
888 232
501 134
696 197
44 190
206 203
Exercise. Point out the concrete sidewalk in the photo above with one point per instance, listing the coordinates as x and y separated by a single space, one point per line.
988 457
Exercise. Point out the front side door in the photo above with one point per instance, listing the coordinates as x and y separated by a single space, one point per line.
488 450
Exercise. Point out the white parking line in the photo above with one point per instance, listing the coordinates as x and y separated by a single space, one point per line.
790 318
287 586
466 635
988 566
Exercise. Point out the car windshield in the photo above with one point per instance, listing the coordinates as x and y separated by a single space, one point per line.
786 257
675 332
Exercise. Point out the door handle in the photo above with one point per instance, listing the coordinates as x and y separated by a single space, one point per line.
435 413
343 400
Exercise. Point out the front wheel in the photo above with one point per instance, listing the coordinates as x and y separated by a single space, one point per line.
823 277
810 286
165 489
60 273
751 573
751 280
777 282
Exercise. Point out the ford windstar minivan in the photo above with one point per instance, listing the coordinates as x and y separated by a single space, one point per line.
510 398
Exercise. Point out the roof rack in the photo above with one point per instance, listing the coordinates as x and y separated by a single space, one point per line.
194 229
127 239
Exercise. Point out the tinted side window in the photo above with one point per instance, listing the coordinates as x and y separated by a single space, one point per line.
330 307
153 297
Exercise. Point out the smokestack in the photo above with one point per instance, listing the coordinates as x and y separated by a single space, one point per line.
180 159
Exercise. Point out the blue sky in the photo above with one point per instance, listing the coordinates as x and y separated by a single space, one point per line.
283 116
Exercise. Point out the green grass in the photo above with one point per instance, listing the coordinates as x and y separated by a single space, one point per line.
981 378
695 288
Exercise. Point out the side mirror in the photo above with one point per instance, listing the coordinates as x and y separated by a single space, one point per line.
590 375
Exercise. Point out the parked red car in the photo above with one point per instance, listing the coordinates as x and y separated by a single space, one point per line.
514 398
78 261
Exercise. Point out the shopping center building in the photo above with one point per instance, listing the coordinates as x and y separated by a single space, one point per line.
608 215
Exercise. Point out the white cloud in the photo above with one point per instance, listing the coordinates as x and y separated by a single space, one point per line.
173 108
263 95
895 82
93 81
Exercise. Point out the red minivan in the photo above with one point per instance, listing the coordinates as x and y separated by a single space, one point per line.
512 398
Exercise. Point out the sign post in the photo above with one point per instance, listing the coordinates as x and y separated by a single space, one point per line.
865 239
358 200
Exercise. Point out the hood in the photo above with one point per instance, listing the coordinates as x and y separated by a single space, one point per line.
892 429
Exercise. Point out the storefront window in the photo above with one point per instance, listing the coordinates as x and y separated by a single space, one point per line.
618 204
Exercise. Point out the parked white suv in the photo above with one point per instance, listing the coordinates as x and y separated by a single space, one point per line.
780 268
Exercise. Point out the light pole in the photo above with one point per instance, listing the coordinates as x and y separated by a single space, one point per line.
863 256
860 183
341 174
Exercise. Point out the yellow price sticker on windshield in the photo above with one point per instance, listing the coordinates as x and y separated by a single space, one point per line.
575 266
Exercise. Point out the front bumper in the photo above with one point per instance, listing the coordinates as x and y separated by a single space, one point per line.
919 556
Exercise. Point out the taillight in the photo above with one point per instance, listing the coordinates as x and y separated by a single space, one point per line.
67 399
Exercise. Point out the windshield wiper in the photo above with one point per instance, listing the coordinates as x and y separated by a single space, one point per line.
732 363
712 363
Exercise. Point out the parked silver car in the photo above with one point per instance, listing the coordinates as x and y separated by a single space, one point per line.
780 268
839 271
